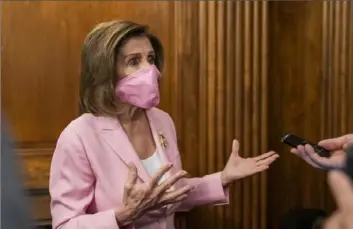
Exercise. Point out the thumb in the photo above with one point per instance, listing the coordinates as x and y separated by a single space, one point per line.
130 182
333 143
132 175
348 145
235 148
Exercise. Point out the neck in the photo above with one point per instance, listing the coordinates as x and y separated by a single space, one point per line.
130 114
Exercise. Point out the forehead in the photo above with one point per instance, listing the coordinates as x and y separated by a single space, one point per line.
137 45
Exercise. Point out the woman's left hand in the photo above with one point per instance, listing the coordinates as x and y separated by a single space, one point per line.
238 167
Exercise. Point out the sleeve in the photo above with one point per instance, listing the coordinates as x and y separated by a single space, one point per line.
208 189
71 187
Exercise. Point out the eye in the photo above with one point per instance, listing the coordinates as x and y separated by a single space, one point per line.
133 62
151 59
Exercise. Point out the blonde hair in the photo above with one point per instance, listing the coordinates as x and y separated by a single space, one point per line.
98 64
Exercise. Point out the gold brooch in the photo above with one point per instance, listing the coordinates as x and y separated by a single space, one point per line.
162 140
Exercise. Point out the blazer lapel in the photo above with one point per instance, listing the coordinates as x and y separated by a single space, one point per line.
162 145
113 133
158 136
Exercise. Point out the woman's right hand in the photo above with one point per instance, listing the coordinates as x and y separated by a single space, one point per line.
143 197
335 145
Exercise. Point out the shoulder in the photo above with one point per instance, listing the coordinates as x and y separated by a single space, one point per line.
72 142
161 115
164 119
78 127
71 147
83 122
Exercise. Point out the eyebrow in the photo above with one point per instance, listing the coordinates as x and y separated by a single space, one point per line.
138 54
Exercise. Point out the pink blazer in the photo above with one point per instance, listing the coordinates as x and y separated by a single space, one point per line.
88 173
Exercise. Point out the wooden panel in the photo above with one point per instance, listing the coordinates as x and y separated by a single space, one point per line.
36 167
310 75
41 207
220 92
214 86
337 67
295 74
40 68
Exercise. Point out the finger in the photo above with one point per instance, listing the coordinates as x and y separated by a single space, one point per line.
132 175
300 149
260 169
268 160
334 143
265 155
342 189
130 182
348 144
176 200
155 212
170 196
316 158
294 151
170 182
305 156
171 201
235 148
155 179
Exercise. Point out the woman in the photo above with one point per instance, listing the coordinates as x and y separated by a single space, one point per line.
118 165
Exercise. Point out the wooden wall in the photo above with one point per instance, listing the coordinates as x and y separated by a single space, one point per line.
249 70
310 88
220 93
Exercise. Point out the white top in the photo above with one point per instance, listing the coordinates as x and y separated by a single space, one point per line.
153 164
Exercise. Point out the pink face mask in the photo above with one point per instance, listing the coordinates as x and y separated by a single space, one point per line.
140 88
